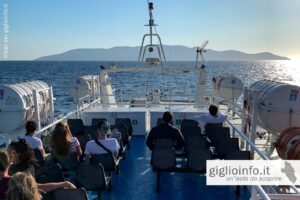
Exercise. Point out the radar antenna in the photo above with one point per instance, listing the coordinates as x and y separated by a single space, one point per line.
199 51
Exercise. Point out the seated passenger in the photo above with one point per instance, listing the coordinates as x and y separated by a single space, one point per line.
111 144
63 143
213 117
23 186
34 142
21 157
165 131
4 179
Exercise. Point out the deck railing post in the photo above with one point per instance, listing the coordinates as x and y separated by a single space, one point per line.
36 110
254 121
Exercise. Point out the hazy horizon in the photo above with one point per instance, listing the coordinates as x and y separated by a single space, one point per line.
34 28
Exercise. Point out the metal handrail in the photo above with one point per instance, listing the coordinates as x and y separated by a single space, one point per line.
248 141
262 192
256 149
39 133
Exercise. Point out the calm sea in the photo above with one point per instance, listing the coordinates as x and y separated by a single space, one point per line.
57 74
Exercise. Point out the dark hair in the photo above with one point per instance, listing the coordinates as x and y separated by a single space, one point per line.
24 151
103 127
213 110
30 127
167 117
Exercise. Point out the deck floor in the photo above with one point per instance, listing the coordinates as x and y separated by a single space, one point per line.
137 181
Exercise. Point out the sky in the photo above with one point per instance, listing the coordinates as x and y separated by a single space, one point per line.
35 28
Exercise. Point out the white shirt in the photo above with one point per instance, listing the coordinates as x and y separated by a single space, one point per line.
33 142
207 118
93 148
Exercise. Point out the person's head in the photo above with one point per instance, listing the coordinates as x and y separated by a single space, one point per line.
213 110
30 127
103 128
22 186
4 162
60 140
167 117
20 152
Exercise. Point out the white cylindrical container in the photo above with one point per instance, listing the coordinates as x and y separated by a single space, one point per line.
227 87
81 86
17 104
278 105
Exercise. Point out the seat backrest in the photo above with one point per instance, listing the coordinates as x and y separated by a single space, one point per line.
210 126
70 163
106 160
223 147
218 134
124 132
96 121
191 131
127 123
188 123
76 126
197 159
195 142
163 159
39 156
238 155
71 194
91 177
51 172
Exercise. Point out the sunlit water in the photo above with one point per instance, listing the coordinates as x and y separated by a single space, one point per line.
57 74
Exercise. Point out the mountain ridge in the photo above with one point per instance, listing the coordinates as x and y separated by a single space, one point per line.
172 53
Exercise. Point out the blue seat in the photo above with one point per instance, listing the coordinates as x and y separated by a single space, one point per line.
188 123
61 194
107 161
127 123
238 155
76 126
197 160
92 178
51 172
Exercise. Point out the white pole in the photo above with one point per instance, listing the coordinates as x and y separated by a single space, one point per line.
244 124
254 120
201 86
51 104
36 110
93 87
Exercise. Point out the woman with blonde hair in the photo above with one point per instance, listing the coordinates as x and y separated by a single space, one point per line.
23 186
63 143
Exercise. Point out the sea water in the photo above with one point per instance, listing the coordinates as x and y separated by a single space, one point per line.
178 84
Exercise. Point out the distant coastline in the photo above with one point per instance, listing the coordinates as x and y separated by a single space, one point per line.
172 52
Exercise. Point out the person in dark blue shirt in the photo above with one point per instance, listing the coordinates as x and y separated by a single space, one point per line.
165 131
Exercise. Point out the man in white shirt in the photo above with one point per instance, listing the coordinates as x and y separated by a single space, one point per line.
213 117
111 144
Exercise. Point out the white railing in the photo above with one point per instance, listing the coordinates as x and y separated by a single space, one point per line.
258 188
46 130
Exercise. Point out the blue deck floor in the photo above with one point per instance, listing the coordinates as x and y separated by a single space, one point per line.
137 181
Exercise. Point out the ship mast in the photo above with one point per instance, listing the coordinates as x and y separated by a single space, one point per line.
151 47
